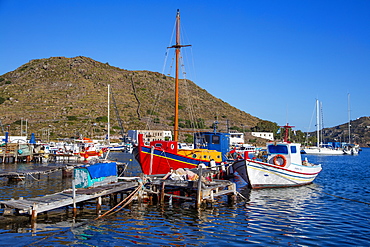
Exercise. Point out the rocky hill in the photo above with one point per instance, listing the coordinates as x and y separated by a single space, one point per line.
67 97
360 132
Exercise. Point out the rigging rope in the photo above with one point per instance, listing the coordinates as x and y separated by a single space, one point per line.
313 113
159 87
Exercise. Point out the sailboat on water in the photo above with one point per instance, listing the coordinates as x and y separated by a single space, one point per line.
320 148
160 157
349 148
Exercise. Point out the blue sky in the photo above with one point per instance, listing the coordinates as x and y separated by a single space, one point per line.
269 58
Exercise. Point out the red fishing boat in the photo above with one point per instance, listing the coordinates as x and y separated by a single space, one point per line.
160 157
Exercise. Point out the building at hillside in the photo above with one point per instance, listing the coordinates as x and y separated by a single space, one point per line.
265 135
149 135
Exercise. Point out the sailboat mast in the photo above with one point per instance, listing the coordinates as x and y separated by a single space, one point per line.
176 126
108 125
177 47
349 122
318 122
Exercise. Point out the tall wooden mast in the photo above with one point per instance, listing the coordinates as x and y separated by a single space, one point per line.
177 47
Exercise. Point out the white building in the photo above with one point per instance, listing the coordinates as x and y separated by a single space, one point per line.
264 135
236 138
149 135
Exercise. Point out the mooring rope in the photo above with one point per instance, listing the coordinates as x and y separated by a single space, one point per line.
30 174
18 174
129 198
341 197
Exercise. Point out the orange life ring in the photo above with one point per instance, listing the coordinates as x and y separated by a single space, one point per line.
275 160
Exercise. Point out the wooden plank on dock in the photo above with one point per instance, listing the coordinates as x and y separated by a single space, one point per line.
65 198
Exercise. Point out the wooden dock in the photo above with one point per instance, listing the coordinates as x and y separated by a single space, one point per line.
16 152
201 194
20 175
25 152
37 172
202 191
145 188
34 206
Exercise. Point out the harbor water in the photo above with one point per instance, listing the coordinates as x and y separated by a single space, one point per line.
333 211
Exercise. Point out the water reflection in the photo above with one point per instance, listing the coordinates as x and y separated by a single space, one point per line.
296 216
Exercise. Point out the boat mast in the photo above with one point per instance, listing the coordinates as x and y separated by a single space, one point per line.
318 122
176 127
177 47
108 125
349 122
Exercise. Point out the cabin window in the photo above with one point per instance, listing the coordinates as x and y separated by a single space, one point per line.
278 149
158 145
293 149
215 139
208 138
194 156
205 156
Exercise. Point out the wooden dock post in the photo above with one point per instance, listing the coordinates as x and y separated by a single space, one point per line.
162 193
232 198
199 190
34 214
98 205
74 210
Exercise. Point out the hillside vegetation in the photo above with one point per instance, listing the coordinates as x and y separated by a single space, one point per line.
67 97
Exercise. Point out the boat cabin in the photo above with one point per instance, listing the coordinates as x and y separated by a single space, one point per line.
213 141
288 151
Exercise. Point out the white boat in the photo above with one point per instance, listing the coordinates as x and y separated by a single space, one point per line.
351 149
246 148
322 149
120 147
282 167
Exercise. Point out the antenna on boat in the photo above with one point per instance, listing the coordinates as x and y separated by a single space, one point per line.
177 47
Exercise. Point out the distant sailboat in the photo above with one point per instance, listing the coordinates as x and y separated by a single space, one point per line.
349 148
322 149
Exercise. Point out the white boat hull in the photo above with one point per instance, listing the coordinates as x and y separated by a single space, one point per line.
323 151
265 175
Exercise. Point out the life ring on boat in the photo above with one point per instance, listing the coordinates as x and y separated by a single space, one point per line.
277 163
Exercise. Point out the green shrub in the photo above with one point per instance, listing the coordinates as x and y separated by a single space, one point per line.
102 119
72 118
